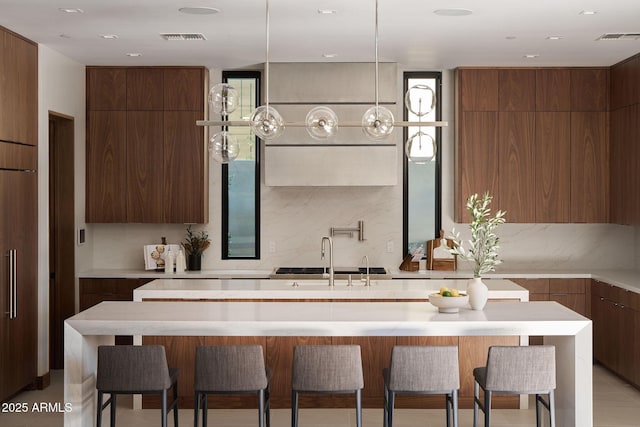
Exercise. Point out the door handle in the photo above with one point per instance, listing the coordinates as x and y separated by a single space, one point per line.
15 283
12 283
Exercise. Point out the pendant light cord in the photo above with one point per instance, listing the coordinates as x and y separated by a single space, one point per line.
376 46
266 66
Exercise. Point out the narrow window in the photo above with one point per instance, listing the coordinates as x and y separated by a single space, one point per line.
422 182
241 178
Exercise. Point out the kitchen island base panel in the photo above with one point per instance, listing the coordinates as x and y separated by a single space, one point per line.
376 352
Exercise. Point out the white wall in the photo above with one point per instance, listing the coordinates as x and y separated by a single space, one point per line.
295 219
61 89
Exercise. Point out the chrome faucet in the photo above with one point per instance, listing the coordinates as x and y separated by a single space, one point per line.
367 278
331 272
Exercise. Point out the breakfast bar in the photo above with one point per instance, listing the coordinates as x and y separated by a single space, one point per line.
567 330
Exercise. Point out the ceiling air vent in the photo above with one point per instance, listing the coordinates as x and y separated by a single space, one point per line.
619 36
183 36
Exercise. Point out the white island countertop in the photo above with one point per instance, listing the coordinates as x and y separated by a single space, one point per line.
314 289
567 330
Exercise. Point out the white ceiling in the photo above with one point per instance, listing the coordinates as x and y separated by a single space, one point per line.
409 32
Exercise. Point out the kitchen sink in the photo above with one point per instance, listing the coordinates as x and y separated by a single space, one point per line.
325 283
339 273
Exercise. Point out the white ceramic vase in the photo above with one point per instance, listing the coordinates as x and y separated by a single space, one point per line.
478 293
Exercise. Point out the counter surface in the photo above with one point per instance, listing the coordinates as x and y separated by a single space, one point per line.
314 289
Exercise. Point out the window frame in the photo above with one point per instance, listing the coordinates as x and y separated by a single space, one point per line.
226 75
407 75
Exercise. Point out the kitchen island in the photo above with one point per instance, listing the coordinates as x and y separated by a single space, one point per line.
570 332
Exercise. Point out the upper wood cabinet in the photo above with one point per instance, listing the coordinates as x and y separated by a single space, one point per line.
553 89
590 89
183 90
146 159
625 83
552 162
478 89
145 89
516 139
589 167
106 89
18 89
553 173
517 90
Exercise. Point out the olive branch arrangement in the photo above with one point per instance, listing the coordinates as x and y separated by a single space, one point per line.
484 243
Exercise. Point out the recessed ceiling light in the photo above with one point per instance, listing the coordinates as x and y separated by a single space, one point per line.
134 54
70 10
588 12
555 38
453 12
329 55
199 10
531 55
109 36
327 11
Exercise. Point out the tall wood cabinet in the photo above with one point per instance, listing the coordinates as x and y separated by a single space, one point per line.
625 150
537 140
18 216
146 159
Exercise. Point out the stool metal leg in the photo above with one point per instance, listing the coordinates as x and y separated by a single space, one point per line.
163 414
294 409
113 409
552 409
487 408
196 408
100 408
175 404
391 405
385 409
538 411
205 409
261 408
454 396
358 408
448 403
476 402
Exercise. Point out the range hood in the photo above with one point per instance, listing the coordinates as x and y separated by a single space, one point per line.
347 159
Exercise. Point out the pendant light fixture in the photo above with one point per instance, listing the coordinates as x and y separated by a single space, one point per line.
321 122
377 121
265 121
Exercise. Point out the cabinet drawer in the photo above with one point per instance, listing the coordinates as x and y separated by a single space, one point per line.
534 286
567 286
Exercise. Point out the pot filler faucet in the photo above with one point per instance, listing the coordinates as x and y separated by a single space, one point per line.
322 252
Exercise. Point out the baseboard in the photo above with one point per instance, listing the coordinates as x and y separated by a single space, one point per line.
43 381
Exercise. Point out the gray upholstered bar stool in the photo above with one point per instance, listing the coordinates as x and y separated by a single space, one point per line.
231 369
326 369
517 370
133 369
422 370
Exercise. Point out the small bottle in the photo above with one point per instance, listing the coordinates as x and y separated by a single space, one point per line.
181 263
168 262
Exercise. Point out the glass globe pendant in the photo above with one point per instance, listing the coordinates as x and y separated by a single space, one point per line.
420 148
223 99
223 147
321 123
377 123
417 96
267 123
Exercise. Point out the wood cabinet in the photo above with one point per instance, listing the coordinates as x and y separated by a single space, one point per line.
146 159
18 89
589 167
18 276
553 175
552 132
615 314
625 150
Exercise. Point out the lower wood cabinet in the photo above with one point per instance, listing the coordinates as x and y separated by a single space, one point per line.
616 328
376 353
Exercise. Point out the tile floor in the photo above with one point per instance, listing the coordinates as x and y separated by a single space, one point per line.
615 404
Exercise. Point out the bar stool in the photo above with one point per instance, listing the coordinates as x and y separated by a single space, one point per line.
129 369
517 370
326 369
422 370
231 369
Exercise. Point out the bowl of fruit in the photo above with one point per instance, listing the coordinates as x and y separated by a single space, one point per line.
449 300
